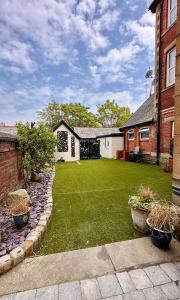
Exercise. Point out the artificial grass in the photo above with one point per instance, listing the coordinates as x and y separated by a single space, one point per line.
91 202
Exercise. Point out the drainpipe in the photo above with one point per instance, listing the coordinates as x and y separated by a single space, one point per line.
159 93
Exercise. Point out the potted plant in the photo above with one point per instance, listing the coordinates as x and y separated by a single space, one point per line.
140 206
20 212
161 221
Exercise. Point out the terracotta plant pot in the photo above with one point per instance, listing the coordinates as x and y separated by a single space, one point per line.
139 217
160 238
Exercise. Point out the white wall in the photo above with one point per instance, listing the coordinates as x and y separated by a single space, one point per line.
67 155
109 146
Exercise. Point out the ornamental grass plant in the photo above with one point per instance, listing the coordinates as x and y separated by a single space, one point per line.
162 216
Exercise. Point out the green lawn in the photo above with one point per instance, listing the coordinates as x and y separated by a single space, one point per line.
91 202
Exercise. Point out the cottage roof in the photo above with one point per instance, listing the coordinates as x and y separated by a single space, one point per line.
88 132
67 126
153 5
8 134
144 114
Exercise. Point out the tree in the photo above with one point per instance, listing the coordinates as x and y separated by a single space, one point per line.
51 114
110 114
37 145
75 114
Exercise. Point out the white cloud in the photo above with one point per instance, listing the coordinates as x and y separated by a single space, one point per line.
113 66
143 31
105 4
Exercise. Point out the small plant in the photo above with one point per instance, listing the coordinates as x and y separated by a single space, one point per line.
145 196
162 216
19 207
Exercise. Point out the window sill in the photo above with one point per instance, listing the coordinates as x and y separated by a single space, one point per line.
131 140
144 140
168 87
168 28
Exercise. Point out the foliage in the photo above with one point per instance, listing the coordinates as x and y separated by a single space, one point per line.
144 198
20 206
75 114
37 145
110 114
162 216
172 147
51 114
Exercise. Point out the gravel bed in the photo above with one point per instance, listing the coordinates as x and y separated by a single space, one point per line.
13 237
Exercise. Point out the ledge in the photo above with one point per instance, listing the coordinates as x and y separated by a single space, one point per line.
33 239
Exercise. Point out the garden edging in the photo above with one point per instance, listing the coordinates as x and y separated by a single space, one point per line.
33 239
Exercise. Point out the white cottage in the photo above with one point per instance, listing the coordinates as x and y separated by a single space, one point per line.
110 144
68 143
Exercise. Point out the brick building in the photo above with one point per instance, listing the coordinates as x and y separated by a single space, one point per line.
140 130
165 65
160 130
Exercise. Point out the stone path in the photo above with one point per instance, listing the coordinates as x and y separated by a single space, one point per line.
150 283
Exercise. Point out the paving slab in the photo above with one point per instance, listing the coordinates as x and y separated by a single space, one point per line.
154 293
171 290
109 286
48 293
157 275
140 279
137 295
119 297
126 282
70 291
140 252
56 268
172 270
90 289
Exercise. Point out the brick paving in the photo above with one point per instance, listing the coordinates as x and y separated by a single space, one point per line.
150 283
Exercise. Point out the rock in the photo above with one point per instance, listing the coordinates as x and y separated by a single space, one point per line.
37 177
18 195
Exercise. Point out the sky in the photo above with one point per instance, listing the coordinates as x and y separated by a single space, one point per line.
83 51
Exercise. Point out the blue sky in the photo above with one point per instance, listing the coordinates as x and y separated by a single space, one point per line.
73 50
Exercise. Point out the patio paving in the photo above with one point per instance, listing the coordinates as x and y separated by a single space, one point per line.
95 273
134 284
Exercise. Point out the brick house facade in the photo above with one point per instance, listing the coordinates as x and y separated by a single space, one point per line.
165 63
161 127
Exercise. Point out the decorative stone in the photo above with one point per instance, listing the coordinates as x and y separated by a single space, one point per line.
5 263
27 246
37 177
17 255
18 195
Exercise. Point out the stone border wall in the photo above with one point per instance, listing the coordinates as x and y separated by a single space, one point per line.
33 240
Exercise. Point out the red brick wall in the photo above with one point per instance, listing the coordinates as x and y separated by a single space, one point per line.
147 146
10 168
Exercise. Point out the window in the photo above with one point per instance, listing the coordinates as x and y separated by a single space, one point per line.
171 67
72 146
144 133
62 141
131 135
172 12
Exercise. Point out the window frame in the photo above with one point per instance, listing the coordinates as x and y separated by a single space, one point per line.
144 129
169 13
168 83
130 131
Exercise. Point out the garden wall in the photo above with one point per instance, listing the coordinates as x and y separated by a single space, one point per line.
10 168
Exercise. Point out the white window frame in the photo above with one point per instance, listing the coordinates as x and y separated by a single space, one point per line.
170 10
168 69
172 130
144 129
131 131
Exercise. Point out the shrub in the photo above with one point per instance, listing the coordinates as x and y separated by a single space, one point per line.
162 216
37 145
